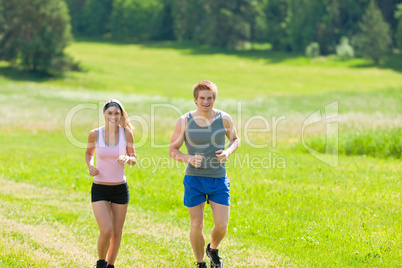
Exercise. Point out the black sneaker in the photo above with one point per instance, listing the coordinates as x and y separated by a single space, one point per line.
201 264
216 261
101 264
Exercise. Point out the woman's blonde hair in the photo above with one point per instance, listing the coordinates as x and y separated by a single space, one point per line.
124 121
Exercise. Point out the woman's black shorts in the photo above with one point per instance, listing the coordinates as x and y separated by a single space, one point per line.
118 194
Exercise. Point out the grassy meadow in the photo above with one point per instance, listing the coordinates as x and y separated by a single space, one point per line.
288 208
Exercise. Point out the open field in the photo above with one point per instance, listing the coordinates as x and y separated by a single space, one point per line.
288 208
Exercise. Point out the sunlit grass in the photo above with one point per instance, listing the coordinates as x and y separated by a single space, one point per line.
169 70
287 207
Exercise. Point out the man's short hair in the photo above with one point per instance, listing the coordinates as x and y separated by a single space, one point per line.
205 85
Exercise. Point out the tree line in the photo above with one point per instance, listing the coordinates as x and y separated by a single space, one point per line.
34 33
288 25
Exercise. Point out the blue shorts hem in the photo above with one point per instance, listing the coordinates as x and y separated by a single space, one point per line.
221 203
197 190
193 205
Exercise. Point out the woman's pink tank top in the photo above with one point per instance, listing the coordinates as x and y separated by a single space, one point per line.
106 155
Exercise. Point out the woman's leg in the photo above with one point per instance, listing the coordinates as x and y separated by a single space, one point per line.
119 212
103 216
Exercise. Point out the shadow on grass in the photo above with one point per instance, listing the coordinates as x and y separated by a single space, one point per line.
192 49
392 62
189 48
16 74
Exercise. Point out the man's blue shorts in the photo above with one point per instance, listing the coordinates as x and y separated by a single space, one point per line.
197 190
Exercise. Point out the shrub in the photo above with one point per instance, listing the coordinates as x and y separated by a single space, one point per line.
313 50
344 50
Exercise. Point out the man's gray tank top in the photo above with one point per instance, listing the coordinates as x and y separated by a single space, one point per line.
205 141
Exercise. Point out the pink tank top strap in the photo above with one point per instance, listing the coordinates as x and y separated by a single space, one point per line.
100 141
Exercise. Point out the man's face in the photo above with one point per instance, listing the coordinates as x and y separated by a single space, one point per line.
205 100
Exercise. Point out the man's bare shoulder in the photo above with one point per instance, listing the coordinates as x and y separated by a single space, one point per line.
226 116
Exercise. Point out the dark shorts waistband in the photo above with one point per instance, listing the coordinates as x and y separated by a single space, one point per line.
118 194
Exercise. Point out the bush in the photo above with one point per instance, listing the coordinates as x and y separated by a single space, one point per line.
35 35
344 50
313 50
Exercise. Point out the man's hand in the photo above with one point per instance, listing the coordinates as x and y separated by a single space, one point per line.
222 155
196 160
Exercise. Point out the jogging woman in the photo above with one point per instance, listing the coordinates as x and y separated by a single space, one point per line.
114 146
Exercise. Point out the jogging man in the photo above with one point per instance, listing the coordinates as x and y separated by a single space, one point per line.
203 132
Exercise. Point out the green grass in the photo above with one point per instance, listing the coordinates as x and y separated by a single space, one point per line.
380 143
290 210
170 70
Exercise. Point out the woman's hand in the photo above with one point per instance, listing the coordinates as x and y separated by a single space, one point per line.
93 171
123 159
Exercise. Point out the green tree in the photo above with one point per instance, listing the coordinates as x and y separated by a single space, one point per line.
302 22
137 19
2 21
275 12
75 8
374 39
219 22
388 9
188 18
230 22
166 31
321 21
96 17
398 34
35 34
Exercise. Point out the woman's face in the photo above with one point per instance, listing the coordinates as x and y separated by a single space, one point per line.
112 115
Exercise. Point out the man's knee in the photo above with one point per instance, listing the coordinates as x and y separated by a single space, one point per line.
197 226
222 227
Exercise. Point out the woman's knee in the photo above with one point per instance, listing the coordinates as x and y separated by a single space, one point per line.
117 234
106 231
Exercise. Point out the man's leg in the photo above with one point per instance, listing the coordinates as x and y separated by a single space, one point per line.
221 219
196 235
